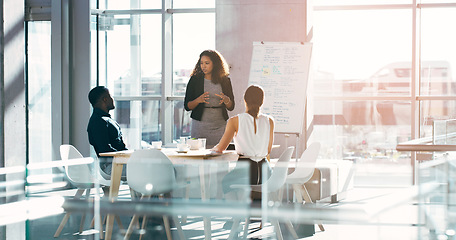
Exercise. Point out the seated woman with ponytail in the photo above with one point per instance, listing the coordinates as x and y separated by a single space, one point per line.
253 134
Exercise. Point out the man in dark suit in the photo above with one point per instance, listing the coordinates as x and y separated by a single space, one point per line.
104 132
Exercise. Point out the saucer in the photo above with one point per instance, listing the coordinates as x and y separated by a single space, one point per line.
182 151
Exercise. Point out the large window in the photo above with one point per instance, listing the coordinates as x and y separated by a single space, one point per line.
378 71
145 55
39 90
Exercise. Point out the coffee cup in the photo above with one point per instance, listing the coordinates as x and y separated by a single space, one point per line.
193 143
182 147
156 144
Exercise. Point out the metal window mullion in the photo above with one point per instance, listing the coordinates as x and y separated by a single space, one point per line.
166 107
191 10
136 78
414 83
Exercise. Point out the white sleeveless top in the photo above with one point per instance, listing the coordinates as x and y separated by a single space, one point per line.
249 144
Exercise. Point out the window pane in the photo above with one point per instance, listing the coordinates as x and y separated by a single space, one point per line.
187 45
366 132
139 121
361 56
359 2
437 52
182 121
193 3
39 91
131 4
134 56
435 110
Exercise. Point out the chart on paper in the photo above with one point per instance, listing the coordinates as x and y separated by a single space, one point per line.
282 69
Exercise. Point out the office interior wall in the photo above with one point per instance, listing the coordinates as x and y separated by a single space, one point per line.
79 85
239 23
13 106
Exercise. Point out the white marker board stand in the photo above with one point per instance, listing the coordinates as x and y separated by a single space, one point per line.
282 69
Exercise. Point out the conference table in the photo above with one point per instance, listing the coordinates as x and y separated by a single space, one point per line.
121 158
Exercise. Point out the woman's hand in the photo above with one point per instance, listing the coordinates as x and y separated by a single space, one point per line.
201 99
223 98
216 149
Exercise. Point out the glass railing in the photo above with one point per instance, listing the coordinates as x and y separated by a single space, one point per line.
197 202
435 180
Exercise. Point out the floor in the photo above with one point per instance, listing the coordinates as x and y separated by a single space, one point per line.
395 222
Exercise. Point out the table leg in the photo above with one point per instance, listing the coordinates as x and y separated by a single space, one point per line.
116 174
206 219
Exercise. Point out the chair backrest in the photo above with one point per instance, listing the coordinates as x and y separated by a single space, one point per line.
279 173
306 164
150 172
77 174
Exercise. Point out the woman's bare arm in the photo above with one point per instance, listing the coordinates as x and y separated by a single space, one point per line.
230 130
271 135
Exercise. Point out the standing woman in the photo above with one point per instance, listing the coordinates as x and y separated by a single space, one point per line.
209 95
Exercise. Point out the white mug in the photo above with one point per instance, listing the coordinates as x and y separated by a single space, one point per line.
193 143
182 146
156 144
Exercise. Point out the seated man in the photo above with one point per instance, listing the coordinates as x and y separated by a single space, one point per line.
104 132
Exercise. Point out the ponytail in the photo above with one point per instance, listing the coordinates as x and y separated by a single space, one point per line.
254 111
254 96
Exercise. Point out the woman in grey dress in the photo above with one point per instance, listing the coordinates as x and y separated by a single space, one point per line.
209 95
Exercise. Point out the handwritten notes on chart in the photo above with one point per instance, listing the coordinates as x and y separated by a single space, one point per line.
282 69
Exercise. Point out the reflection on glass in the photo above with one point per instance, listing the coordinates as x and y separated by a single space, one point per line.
359 2
340 51
182 121
133 55
193 3
434 110
129 4
366 132
436 44
39 91
139 121
185 56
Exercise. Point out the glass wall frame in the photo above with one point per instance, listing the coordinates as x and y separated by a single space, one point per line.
416 87
167 88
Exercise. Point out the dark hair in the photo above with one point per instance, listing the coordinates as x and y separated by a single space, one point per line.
220 70
254 96
96 94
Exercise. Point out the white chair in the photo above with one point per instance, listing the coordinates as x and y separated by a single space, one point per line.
304 170
272 186
150 172
81 176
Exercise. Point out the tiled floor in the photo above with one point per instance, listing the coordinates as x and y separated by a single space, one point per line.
396 223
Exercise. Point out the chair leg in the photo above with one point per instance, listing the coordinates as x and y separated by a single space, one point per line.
78 195
117 218
291 229
62 224
187 195
234 229
277 229
81 225
130 227
246 228
306 196
143 226
180 232
167 228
